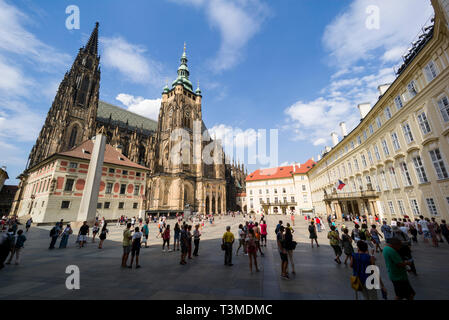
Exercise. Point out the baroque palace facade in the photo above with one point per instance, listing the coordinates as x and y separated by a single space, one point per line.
77 114
396 161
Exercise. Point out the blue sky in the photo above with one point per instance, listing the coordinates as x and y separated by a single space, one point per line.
294 65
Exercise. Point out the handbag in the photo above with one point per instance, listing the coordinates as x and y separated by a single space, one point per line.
294 244
223 247
356 284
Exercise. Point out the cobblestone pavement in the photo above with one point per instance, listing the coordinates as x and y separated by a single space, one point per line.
41 274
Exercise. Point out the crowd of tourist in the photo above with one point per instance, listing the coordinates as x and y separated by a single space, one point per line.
357 242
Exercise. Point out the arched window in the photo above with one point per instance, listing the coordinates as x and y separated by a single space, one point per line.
73 137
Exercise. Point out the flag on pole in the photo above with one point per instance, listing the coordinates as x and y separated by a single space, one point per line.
340 185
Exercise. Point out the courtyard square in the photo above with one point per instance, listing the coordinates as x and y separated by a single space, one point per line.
41 273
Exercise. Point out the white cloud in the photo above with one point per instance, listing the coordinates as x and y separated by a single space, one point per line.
233 137
130 60
349 40
15 39
12 80
145 107
237 20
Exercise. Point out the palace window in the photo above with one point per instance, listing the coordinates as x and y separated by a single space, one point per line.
378 122
69 185
376 152
359 140
388 113
109 186
73 165
65 204
138 174
424 123
405 174
391 206
385 148
443 104
73 136
121 205
135 204
304 188
430 71
394 178
99 205
371 129
415 207
395 139
401 207
398 102
439 164
136 190
432 207
420 171
356 164
123 189
407 132
364 161
111 170
107 205
383 177
125 172
412 89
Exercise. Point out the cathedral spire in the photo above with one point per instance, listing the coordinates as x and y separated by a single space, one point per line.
92 44
183 72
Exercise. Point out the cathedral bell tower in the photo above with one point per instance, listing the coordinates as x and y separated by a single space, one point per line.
180 109
72 116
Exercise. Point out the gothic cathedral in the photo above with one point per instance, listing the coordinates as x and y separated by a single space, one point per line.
77 113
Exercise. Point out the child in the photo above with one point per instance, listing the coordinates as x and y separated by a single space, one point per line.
136 245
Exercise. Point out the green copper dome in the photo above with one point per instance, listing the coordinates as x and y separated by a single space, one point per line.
183 73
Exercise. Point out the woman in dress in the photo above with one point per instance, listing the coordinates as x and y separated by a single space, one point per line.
375 238
103 234
312 234
252 250
65 237
348 249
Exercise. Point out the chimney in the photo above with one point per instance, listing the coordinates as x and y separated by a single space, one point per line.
294 167
319 157
327 149
313 159
383 88
119 148
364 108
334 138
344 130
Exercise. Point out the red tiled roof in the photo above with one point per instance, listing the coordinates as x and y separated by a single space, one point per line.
111 155
280 172
243 194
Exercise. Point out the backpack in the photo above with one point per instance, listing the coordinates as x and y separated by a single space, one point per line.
362 235
53 232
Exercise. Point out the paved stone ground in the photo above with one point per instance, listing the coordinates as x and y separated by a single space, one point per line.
41 274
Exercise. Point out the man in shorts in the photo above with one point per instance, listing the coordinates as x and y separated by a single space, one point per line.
423 229
282 252
126 245
397 271
84 232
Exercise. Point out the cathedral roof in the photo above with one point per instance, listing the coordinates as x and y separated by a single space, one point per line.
123 118
111 155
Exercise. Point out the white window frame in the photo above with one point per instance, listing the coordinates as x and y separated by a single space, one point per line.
376 152
412 89
443 106
420 170
379 122
391 206
415 207
388 114
406 174
431 71
395 139
401 207
385 147
432 207
398 102
423 122
408 134
439 164
394 177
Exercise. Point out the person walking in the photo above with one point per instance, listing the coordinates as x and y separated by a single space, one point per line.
103 234
28 224
126 243
83 233
227 242
397 271
437 230
242 239
95 230
359 264
146 233
7 242
184 244
290 246
166 239
375 237
313 234
65 237
136 245
196 240
252 250
424 229
386 230
334 240
258 235
54 235
189 241
177 232
263 233
17 247
282 252
444 230
405 251
348 249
